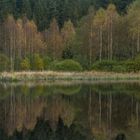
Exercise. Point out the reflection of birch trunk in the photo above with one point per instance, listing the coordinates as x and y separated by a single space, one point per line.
30 109
14 103
89 111
132 103
25 101
137 112
5 111
107 113
100 114
110 113
11 107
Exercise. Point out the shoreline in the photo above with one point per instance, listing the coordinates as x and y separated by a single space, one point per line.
67 76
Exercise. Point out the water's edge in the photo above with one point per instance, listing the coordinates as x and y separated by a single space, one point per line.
69 76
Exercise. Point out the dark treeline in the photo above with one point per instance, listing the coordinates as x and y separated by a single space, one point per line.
103 34
43 11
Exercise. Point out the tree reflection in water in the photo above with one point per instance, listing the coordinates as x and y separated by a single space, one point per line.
102 111
43 131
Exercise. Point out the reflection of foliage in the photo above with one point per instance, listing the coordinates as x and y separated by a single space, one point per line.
54 90
67 90
27 102
132 89
4 92
133 122
58 106
39 90
25 90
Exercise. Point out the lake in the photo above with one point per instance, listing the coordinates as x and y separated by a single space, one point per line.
70 111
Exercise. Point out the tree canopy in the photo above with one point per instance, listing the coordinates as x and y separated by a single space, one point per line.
43 11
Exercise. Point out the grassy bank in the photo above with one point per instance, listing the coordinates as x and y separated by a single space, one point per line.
49 75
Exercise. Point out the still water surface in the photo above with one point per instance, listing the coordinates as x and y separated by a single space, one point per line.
70 111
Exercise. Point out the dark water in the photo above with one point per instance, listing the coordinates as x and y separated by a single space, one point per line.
70 111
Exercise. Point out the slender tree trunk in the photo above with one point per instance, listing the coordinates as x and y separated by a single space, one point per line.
7 50
138 42
90 54
14 48
108 41
25 42
11 52
111 40
133 39
90 46
54 48
101 42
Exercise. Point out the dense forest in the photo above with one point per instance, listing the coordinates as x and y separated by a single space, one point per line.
69 34
43 11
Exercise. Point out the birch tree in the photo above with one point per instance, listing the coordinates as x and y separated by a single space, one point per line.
134 23
99 23
111 18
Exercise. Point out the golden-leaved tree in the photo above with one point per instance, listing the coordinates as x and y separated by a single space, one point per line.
54 40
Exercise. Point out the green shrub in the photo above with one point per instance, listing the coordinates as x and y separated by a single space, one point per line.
4 62
37 63
132 66
119 68
104 65
17 64
66 65
125 66
47 61
137 58
83 61
25 64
